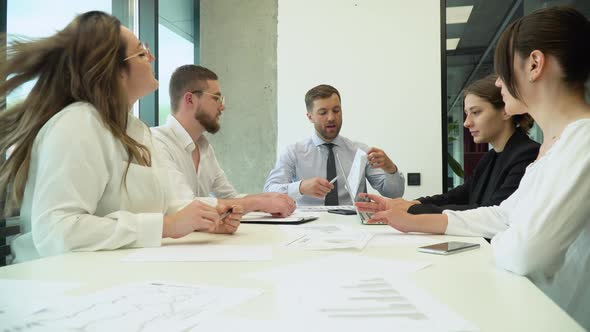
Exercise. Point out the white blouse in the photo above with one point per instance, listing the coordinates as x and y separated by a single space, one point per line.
75 198
543 229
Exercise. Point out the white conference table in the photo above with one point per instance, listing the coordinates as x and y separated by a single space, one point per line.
467 282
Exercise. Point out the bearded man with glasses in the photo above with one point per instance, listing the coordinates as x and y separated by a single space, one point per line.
197 104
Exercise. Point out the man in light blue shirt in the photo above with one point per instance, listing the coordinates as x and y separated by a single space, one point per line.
303 168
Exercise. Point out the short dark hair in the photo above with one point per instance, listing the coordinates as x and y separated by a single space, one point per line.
561 32
486 88
188 78
321 91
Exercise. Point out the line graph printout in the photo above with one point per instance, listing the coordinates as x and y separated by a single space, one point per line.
22 296
153 306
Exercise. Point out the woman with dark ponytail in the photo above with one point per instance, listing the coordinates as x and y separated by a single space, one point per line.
541 231
82 169
499 171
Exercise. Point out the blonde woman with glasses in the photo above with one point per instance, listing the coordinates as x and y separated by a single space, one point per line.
83 169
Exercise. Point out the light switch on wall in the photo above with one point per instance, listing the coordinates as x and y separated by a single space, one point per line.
413 179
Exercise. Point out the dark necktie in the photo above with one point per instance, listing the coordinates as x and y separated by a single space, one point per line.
332 196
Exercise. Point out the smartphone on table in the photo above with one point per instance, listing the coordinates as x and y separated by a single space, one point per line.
447 248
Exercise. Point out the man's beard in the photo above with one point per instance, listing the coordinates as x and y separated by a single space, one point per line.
324 135
211 125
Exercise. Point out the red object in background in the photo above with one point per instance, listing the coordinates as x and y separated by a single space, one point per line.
472 152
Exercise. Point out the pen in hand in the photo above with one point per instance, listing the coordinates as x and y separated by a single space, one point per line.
226 213
332 181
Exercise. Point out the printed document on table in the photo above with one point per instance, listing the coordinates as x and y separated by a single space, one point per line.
328 236
328 301
335 302
154 306
20 297
200 253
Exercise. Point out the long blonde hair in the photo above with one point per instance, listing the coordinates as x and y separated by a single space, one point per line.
82 62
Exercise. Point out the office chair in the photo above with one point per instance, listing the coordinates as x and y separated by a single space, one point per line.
7 230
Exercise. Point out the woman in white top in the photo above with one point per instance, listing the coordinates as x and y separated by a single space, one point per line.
83 169
543 229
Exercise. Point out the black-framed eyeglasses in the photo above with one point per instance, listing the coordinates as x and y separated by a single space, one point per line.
218 98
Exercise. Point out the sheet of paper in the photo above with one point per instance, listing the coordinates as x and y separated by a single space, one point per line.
327 301
200 253
19 297
296 216
391 237
323 208
154 306
328 236
357 172
349 303
341 264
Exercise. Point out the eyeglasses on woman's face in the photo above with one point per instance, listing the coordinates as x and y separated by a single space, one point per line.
143 53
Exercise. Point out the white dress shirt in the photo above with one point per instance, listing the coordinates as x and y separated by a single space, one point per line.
75 198
543 229
309 158
175 147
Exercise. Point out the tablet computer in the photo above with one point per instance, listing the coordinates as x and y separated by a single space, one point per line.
447 248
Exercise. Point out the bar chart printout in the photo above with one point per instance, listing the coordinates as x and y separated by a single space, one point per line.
367 303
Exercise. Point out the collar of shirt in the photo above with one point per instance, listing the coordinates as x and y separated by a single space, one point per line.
136 129
317 140
183 137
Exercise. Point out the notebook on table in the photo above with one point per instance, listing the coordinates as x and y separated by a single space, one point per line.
266 218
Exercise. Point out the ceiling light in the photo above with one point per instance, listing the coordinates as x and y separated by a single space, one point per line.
452 43
458 14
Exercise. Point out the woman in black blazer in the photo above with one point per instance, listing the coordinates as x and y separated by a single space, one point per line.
499 171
